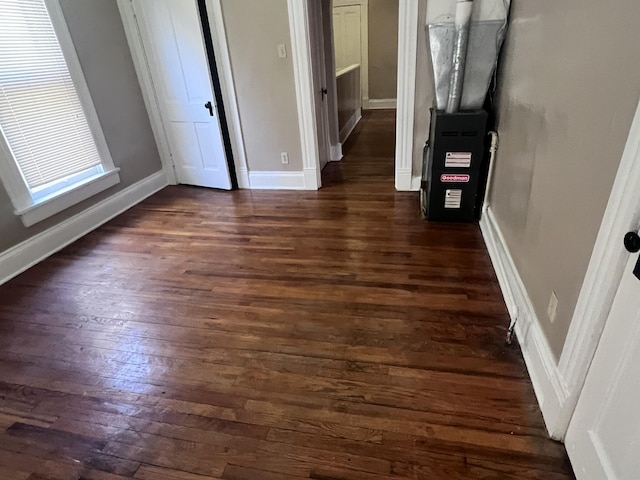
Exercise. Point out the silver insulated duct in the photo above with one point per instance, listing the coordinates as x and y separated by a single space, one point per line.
462 28
464 54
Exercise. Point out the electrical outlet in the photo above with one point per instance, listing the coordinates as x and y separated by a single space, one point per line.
552 309
284 158
282 50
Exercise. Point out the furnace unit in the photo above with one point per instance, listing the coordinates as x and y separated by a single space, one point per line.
455 161
464 54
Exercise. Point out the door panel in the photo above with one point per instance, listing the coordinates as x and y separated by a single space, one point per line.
172 39
352 34
319 81
603 439
338 46
347 35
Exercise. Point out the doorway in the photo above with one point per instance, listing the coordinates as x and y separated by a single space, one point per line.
349 43
183 87
303 16
341 48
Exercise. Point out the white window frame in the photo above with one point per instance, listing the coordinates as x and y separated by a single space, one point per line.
33 207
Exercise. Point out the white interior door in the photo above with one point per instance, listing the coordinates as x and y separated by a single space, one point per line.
347 34
172 37
603 439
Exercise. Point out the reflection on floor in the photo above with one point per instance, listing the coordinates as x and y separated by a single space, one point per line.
269 335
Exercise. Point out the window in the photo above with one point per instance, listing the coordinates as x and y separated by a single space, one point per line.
52 151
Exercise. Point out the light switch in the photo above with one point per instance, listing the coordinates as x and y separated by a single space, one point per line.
282 51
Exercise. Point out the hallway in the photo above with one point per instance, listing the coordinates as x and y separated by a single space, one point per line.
368 155
331 335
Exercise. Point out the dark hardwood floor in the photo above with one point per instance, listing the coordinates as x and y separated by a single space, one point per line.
330 335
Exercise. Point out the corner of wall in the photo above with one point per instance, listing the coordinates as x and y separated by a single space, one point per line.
549 386
32 251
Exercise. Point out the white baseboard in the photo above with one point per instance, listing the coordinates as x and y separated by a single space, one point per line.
541 363
336 152
405 182
263 180
32 251
312 178
382 104
350 125
243 178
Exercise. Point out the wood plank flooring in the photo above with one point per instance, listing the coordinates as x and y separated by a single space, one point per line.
330 335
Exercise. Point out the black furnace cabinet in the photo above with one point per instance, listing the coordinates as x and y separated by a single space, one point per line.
454 165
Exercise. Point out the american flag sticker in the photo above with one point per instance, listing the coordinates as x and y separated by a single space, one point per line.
457 160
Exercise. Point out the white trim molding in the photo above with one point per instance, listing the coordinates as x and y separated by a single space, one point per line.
303 73
141 65
264 180
541 364
32 251
225 73
383 104
336 152
558 385
364 45
407 59
603 276
351 124
62 200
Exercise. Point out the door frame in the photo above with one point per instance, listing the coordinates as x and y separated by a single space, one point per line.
320 81
604 273
409 22
221 51
609 371
303 75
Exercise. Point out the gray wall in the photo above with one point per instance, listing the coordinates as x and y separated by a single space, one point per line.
98 34
265 84
569 85
383 48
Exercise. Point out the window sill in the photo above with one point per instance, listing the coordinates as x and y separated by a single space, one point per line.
49 206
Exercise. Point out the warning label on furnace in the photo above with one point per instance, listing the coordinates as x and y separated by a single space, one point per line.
457 160
453 199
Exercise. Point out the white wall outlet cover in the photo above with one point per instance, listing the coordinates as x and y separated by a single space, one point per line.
284 158
282 50
552 309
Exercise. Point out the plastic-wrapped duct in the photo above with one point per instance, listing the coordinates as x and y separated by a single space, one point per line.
462 25
484 43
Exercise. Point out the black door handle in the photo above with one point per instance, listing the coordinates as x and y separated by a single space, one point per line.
209 106
632 242
324 92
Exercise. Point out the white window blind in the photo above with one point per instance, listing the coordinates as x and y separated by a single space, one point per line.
41 116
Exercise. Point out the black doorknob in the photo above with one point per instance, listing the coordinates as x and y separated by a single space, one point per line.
209 106
632 242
